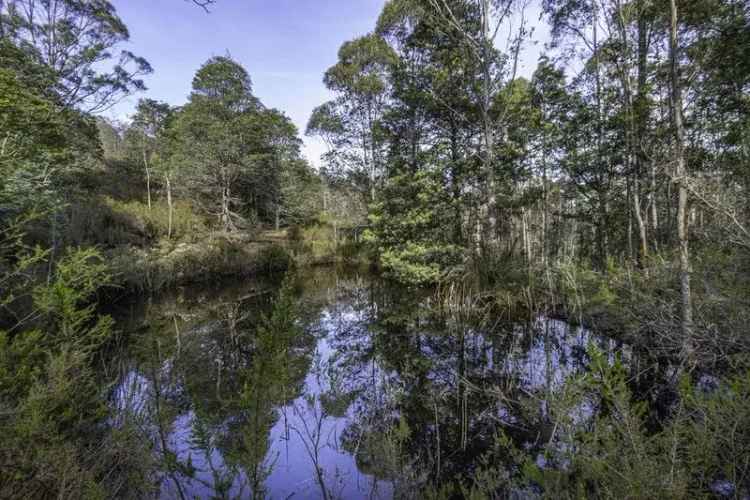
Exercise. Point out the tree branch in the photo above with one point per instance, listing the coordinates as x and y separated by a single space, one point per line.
204 4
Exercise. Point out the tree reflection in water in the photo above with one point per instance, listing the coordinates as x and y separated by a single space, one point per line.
336 385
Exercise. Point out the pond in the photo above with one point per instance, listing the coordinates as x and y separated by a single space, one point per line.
333 384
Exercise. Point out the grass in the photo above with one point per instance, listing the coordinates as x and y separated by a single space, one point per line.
217 257
109 223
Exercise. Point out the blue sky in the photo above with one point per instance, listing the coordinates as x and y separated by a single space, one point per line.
285 45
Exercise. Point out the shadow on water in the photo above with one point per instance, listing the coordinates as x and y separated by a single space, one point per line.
333 384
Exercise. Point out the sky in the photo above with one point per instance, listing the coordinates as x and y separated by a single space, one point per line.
285 45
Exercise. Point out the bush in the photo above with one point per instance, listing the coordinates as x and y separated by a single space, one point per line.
170 263
703 443
55 441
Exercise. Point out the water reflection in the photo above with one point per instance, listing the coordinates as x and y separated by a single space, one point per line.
332 385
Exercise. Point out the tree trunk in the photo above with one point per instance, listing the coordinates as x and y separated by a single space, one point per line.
148 174
631 253
681 174
601 236
642 115
455 174
602 243
226 196
642 234
654 209
490 201
545 211
525 237
169 204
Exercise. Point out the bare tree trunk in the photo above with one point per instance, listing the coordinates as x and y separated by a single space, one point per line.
525 237
373 154
456 187
490 201
148 173
226 197
642 114
601 233
169 204
545 212
631 253
680 174
642 234
654 208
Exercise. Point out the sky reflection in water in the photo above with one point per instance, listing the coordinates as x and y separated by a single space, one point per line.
367 361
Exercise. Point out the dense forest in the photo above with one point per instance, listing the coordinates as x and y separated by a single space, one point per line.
611 189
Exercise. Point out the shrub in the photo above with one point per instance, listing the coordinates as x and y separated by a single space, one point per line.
704 442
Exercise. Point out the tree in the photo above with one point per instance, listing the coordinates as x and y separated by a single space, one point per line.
476 24
39 138
230 148
212 130
111 135
146 128
74 39
350 124
681 179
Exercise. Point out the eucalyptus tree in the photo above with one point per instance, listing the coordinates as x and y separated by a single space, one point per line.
111 135
75 40
552 105
146 128
432 118
350 123
476 24
418 221
681 179
275 146
40 139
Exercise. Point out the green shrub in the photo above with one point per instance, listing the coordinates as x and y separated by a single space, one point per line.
53 408
705 439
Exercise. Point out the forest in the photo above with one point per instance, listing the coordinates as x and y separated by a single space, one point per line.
489 286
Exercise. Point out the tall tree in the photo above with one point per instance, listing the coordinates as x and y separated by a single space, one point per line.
146 129
680 177
212 131
477 24
75 39
351 123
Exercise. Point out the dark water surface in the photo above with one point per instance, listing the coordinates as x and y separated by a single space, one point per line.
372 392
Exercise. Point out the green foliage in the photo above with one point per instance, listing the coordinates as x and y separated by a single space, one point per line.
51 406
604 446
34 139
411 230
233 152
71 38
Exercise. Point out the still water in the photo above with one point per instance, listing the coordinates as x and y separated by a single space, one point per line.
332 384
